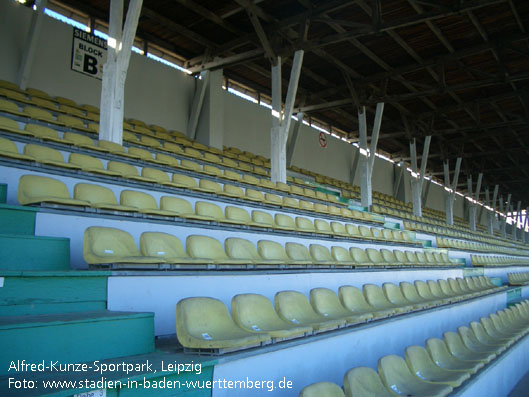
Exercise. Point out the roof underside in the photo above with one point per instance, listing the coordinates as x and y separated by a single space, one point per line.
454 69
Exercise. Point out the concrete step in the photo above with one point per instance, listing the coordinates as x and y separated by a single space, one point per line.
16 219
31 293
24 252
73 337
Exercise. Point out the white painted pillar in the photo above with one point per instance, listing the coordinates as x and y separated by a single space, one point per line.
291 144
196 106
367 159
515 221
504 220
24 70
417 181
281 126
120 43
210 127
491 215
473 207
525 226
451 195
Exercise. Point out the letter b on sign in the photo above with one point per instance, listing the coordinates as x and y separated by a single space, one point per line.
90 64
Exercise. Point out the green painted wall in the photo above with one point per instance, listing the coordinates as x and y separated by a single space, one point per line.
3 193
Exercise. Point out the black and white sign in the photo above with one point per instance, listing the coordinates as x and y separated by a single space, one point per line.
89 53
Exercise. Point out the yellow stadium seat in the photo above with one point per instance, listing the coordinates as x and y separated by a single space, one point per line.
237 216
322 389
34 189
142 154
272 252
184 181
255 313
375 297
210 249
48 156
211 170
284 222
190 152
411 294
11 125
231 175
41 115
172 147
289 202
9 149
72 122
165 159
457 348
205 323
74 111
166 247
178 206
190 165
396 375
64 101
298 254
364 381
304 225
232 191
342 256
144 202
90 164
262 219
208 186
323 227
394 295
326 302
99 197
250 179
127 171
295 308
209 211
105 245
241 249
321 255
115 148
353 300
10 107
254 195
443 358
306 205
82 141
272 199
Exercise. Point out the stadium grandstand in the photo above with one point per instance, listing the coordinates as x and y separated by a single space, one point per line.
311 198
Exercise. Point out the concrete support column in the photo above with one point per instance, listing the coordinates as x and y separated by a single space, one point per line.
504 220
491 215
450 194
367 158
417 179
515 221
291 144
281 121
120 42
472 205
210 129
24 70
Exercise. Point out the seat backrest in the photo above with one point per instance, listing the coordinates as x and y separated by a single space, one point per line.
161 245
271 250
205 208
147 140
144 201
263 218
400 256
249 178
322 226
352 230
353 299
254 194
205 247
210 185
123 168
43 153
359 255
237 214
239 248
191 165
374 255
106 243
304 224
42 131
341 254
212 170
320 253
153 173
410 292
202 317
192 152
321 207
296 190
94 194
338 228
176 204
364 381
38 113
141 153
297 252
388 256
85 162
78 139
185 180
70 121
172 147
232 174
8 146
394 294
285 221
273 198
34 188
327 389
290 202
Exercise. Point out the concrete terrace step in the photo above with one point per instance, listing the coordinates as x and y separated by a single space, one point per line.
74 337
16 219
23 252
33 293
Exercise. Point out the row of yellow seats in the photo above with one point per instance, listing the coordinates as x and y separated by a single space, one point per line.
72 119
241 251
518 278
35 189
8 149
489 260
440 366
205 323
69 138
50 156
443 242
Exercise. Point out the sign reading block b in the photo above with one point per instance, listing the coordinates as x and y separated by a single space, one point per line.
89 53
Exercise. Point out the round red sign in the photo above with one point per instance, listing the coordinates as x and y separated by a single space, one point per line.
322 139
